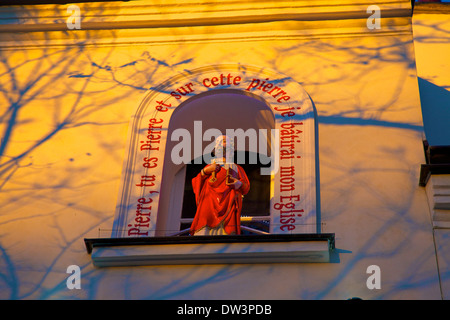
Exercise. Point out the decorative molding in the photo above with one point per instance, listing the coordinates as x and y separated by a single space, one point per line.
193 250
435 177
438 193
293 168
437 162
431 8
153 13
152 22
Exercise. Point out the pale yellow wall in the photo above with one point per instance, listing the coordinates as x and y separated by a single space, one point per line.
63 159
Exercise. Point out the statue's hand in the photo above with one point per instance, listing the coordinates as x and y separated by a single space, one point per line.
212 168
234 183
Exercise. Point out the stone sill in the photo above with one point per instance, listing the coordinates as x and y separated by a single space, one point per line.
192 250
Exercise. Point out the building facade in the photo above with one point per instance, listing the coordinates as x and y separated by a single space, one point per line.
95 183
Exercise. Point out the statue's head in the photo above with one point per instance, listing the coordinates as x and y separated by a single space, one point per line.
224 148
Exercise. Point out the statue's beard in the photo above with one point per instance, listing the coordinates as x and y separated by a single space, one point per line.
227 153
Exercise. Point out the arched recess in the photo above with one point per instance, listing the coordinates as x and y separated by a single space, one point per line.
221 110
264 99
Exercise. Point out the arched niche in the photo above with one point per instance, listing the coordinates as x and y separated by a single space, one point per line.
221 110
218 97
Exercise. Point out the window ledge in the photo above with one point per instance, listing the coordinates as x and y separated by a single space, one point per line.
188 250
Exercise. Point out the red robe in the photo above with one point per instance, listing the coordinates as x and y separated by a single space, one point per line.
219 203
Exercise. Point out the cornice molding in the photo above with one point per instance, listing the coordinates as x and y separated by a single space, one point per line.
169 14
435 177
156 23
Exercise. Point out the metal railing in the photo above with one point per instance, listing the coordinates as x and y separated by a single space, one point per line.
244 219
